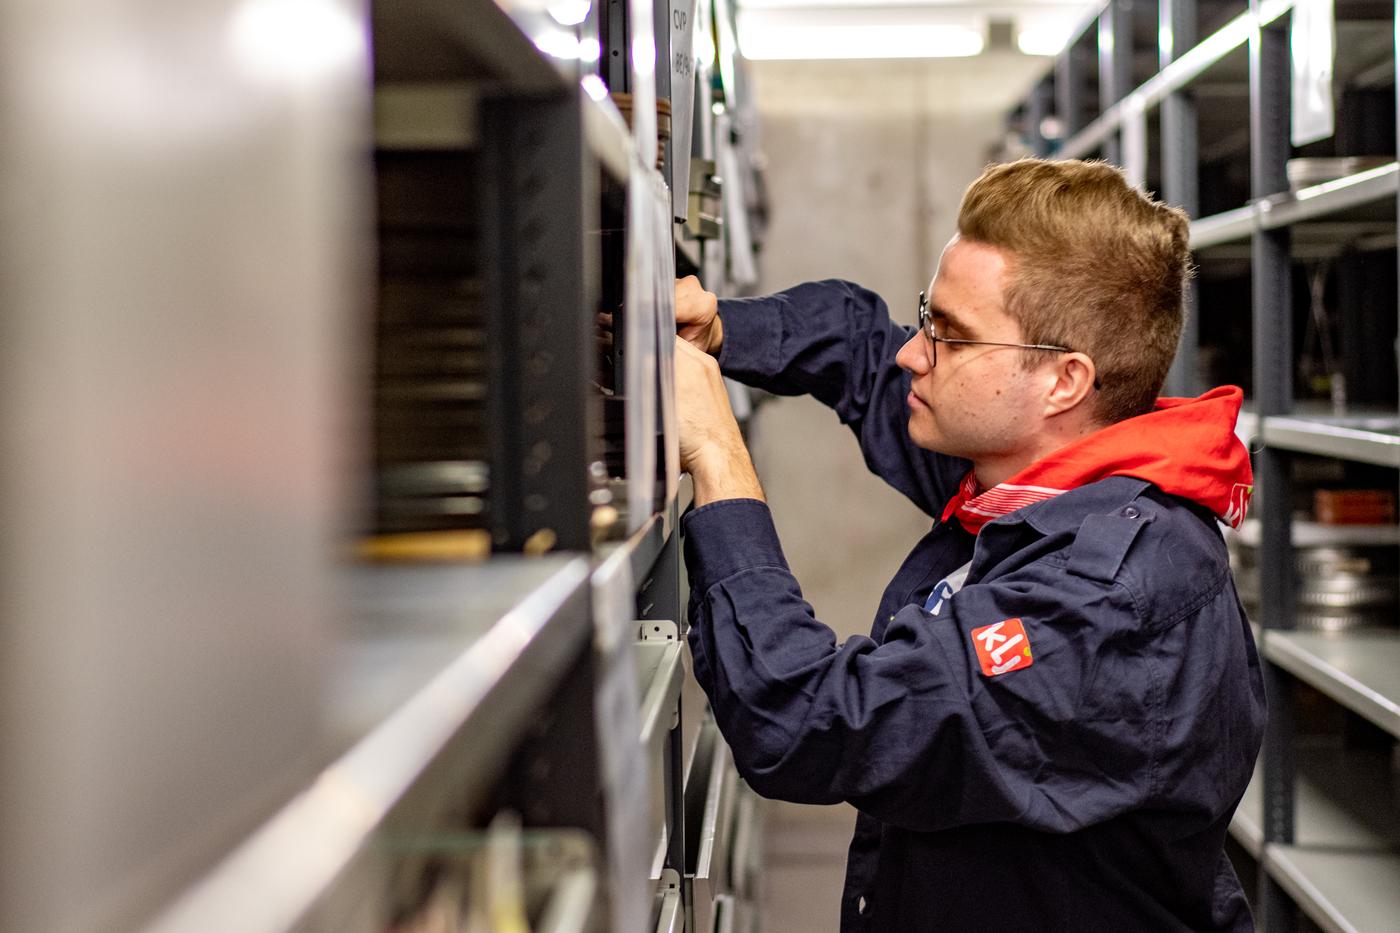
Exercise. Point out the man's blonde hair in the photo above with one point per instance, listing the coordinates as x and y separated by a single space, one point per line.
1094 265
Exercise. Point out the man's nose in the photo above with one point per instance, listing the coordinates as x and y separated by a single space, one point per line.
912 355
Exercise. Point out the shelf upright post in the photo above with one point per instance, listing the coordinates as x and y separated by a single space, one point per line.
1269 125
541 294
661 36
1180 181
1115 65
1037 110
617 71
1069 89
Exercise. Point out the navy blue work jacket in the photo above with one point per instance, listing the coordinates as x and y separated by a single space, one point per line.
1090 790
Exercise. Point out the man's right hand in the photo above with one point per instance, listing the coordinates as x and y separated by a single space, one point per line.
697 316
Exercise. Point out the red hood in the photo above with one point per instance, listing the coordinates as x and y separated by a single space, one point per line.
1185 446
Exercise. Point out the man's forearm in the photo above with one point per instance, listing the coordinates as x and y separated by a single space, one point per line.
725 472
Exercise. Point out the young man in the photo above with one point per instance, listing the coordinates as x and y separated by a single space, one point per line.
1060 704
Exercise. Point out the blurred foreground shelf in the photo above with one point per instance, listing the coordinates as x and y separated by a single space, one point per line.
443 669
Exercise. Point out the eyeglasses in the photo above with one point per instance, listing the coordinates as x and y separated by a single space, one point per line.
926 325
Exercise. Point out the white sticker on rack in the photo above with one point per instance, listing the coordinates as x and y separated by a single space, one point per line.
1314 38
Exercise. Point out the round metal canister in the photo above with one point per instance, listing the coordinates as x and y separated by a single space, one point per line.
1346 576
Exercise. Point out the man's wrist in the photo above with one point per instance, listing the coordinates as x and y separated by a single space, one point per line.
716 336
724 470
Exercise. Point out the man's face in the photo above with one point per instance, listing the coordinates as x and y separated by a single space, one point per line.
978 402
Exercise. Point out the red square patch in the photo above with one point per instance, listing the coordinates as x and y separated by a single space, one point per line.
1002 647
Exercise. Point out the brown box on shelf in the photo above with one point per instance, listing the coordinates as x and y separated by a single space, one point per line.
1354 506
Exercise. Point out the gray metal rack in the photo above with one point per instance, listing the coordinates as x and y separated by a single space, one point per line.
1343 864
1360 670
1327 839
222 710
443 671
1373 188
1363 438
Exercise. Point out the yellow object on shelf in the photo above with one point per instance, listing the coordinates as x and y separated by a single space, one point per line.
465 546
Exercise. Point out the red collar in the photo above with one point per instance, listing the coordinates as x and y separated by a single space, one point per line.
1185 447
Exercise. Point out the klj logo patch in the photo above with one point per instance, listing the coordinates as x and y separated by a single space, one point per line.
1002 647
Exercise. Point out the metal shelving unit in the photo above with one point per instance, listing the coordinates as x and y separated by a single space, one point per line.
436 657
1373 188
1344 803
1176 75
1342 892
1360 670
1323 825
1363 438
1343 864
317 558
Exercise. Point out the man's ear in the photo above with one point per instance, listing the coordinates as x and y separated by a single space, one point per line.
1073 377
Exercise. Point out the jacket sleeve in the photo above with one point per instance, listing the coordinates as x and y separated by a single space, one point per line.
909 730
835 341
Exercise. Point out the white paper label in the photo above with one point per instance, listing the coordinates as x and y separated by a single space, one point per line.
682 101
1314 38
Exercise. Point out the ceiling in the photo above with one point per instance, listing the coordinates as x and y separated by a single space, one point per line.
860 29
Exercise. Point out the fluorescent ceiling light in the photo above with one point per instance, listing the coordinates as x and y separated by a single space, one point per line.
884 41
849 4
1043 40
852 34
1047 29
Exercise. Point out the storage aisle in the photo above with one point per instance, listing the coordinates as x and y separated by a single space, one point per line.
340 570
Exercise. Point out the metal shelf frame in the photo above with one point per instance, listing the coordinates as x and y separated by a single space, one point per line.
450 673
463 667
1360 670
1365 440
1283 210
1360 438
253 724
436 40
1344 802
1342 892
1273 371
1184 68
1342 868
1180 156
